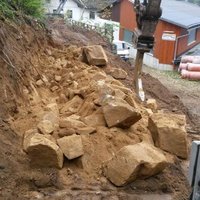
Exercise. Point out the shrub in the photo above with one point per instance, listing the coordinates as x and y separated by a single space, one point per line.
28 7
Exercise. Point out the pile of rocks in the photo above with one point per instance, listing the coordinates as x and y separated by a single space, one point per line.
88 99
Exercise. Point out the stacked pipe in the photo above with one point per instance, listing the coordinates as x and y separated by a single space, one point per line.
190 67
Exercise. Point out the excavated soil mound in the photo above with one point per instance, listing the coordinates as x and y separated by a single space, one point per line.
40 67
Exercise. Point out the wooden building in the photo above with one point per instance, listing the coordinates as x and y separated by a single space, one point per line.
178 30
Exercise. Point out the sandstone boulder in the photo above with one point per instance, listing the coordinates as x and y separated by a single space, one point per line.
99 76
114 81
149 112
43 152
72 106
85 130
58 78
52 117
118 73
54 88
141 160
95 119
104 94
152 104
131 100
66 132
168 132
122 88
95 55
53 107
71 146
39 82
27 136
71 122
45 127
87 108
119 94
121 114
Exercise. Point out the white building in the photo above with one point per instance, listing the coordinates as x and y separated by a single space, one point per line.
78 11
73 9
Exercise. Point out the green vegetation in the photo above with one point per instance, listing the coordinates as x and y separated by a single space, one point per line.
9 8
5 9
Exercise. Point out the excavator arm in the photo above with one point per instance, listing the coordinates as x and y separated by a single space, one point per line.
147 15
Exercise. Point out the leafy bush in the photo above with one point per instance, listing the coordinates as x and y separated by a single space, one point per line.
27 7
5 9
30 7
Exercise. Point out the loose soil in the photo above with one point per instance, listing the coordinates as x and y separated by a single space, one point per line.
28 53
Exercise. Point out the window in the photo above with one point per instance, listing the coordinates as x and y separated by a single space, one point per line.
92 15
69 14
128 36
191 36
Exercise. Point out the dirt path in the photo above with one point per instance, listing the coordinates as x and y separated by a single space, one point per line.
187 91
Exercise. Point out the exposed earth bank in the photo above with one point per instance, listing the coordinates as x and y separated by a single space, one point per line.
42 66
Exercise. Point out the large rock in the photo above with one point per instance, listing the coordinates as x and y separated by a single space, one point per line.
131 100
87 108
27 136
53 107
121 114
152 104
85 130
95 119
95 55
71 146
71 122
168 132
52 117
39 82
122 88
141 160
119 94
43 152
104 94
46 127
72 106
66 132
118 73
99 76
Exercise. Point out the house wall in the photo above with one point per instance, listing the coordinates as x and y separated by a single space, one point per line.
49 7
183 45
163 50
115 15
127 17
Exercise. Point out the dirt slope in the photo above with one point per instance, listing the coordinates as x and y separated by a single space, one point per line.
30 53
